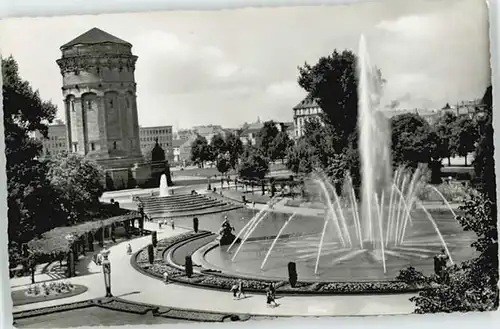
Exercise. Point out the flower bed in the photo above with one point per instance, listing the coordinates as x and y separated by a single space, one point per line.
44 292
123 306
220 281
53 309
120 305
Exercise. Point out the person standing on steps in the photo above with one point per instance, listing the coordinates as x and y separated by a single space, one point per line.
172 223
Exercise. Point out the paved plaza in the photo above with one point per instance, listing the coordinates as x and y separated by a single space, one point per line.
129 284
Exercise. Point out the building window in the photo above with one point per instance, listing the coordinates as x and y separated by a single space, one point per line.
89 105
75 147
92 146
72 104
111 103
114 145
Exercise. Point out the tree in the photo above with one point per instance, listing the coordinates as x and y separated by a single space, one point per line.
234 148
200 151
465 135
223 165
266 138
254 164
333 83
410 140
299 158
472 285
280 146
484 162
31 210
444 128
79 182
218 145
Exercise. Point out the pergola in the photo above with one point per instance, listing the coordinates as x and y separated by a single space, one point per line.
74 240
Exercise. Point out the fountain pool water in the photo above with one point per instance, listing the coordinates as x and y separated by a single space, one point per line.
371 241
163 185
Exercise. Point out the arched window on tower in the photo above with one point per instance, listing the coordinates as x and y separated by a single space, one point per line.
111 103
114 145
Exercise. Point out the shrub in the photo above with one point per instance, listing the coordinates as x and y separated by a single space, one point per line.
151 256
154 238
189 266
292 274
411 276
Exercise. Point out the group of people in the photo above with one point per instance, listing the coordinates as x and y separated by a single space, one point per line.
165 223
238 291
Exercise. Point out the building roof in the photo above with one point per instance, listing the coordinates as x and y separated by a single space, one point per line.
178 142
307 103
95 36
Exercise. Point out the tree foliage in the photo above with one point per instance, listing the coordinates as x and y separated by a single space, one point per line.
234 148
471 285
444 129
200 151
410 140
79 182
465 135
266 139
253 164
29 194
484 161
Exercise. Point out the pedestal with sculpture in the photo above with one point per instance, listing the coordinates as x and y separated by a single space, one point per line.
226 236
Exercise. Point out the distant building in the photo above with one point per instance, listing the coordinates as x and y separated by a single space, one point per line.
149 135
250 131
209 131
305 110
56 141
182 150
184 134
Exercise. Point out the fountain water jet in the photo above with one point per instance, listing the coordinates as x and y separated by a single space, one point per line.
445 201
247 235
275 240
163 185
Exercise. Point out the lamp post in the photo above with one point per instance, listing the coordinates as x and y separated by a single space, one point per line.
106 270
71 256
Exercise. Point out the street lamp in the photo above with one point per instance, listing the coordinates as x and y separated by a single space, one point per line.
106 270
71 257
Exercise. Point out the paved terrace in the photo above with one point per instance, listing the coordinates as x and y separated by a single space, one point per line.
130 284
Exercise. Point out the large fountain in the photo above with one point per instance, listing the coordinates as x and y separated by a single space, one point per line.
389 229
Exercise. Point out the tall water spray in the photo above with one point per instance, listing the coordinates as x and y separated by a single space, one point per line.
374 144
163 185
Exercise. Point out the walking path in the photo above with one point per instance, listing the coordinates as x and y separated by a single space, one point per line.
130 284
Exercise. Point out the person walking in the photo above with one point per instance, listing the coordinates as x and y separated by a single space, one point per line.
270 299
234 290
129 249
272 289
165 277
172 223
240 289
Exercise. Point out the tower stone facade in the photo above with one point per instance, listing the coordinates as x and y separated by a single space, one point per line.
99 91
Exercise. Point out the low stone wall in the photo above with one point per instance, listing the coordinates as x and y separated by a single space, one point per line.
221 281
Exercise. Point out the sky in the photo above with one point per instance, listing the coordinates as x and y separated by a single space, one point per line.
228 67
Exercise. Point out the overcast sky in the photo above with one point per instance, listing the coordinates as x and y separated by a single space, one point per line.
231 66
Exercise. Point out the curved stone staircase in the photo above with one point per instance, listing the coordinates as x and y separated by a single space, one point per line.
184 205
